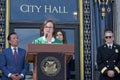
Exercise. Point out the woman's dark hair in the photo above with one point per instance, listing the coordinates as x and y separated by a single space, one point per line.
63 33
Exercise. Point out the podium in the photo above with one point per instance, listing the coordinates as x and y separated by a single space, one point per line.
49 60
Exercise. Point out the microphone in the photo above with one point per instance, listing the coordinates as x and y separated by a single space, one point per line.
46 35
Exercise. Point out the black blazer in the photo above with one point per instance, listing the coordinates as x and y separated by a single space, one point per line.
108 59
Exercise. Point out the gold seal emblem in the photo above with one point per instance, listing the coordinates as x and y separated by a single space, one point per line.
50 66
116 50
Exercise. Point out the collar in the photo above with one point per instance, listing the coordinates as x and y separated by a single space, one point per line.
14 47
110 44
52 40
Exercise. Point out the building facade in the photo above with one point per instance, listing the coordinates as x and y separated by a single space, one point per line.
83 21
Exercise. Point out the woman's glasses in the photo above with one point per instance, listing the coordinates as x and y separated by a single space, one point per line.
50 27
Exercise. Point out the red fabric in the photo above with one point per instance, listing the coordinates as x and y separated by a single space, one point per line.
15 54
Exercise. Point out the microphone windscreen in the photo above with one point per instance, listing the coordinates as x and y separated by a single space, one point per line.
46 35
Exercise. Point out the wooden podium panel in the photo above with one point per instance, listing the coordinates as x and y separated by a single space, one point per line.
33 49
51 66
36 51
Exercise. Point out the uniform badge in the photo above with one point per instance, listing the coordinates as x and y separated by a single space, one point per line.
116 50
104 46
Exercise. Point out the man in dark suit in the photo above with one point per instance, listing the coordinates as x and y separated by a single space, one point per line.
108 58
12 61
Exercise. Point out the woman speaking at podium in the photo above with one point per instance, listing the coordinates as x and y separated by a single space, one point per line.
48 30
50 35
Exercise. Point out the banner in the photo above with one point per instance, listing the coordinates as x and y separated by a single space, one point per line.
40 10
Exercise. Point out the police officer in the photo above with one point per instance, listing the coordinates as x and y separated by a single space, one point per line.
108 58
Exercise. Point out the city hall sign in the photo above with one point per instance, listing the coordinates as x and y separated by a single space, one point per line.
40 10
25 8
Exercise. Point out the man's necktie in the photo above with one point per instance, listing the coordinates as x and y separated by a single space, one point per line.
15 54
110 47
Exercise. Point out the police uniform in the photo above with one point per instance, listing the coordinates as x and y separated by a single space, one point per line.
108 59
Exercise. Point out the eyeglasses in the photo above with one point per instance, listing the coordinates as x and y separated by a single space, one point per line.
49 27
108 37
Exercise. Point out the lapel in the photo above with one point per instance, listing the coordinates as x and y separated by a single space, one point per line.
18 57
110 52
10 54
107 52
114 46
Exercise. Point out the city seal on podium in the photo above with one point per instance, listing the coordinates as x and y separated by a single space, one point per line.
50 66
